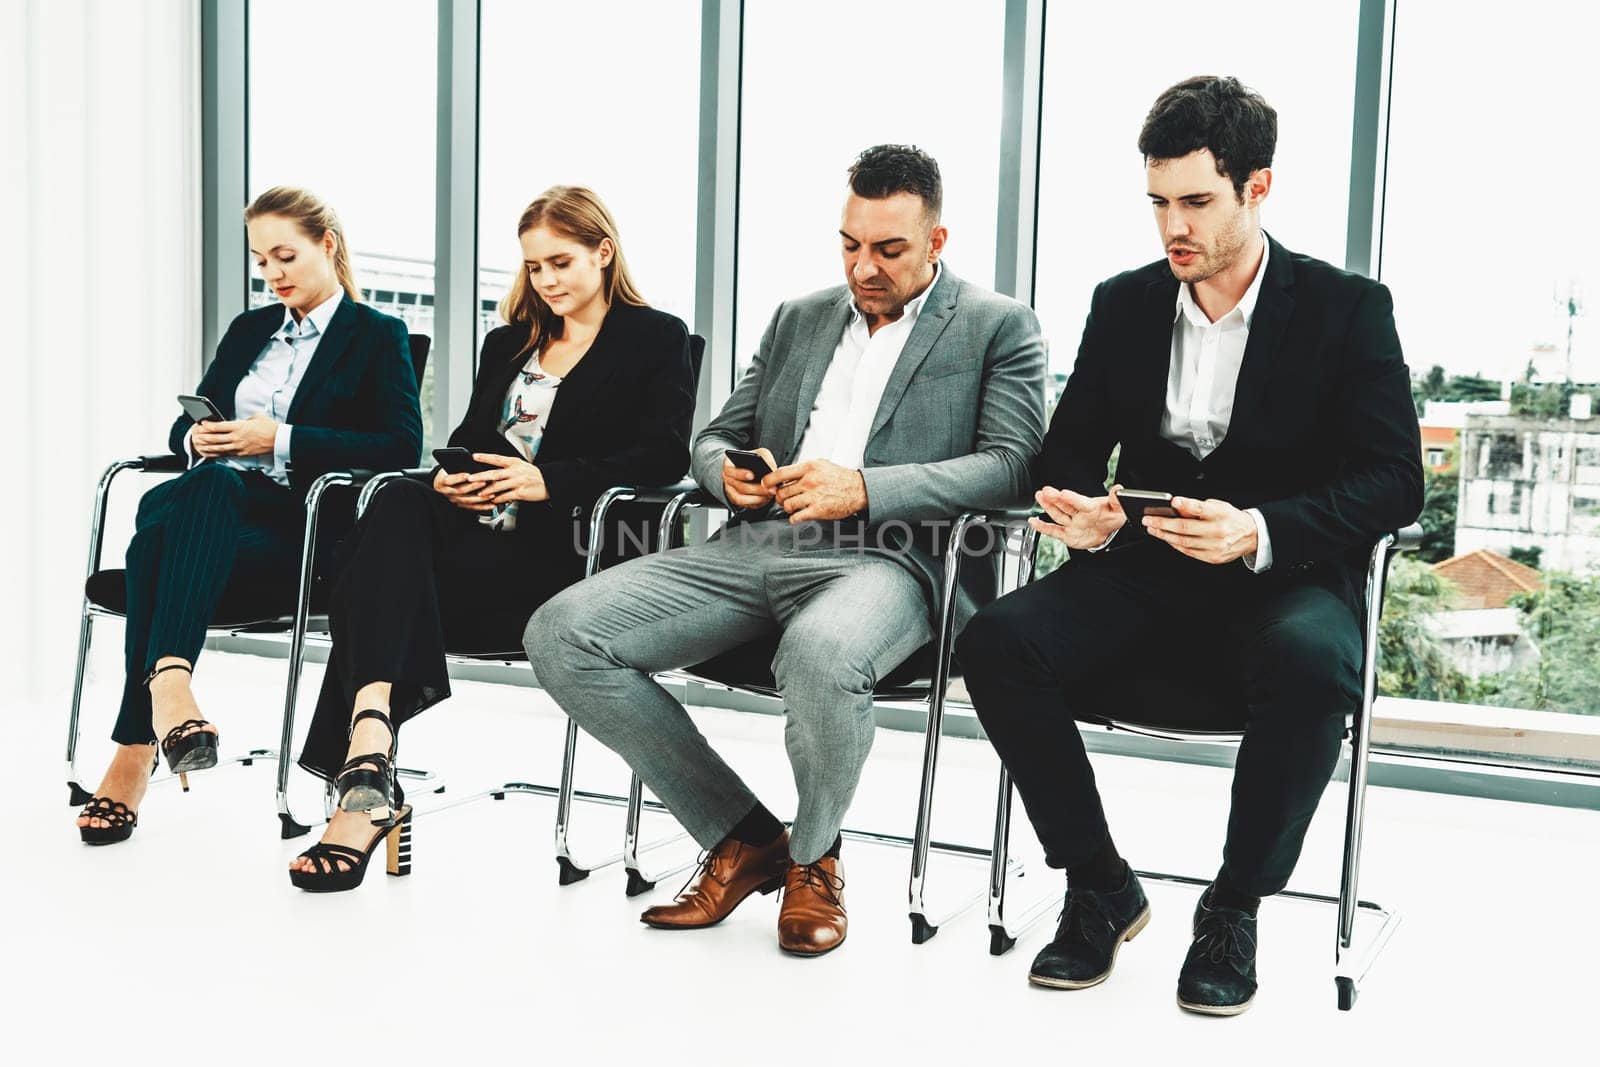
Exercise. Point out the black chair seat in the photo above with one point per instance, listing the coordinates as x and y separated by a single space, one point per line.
1169 703
486 653
749 666
242 604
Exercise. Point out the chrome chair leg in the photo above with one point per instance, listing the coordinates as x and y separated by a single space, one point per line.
1003 935
922 928
77 796
568 869
1348 973
1001 940
639 881
289 826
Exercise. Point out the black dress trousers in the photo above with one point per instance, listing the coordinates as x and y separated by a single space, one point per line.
416 577
1052 652
209 529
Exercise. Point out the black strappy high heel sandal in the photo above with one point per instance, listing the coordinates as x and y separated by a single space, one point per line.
366 783
187 746
118 817
328 878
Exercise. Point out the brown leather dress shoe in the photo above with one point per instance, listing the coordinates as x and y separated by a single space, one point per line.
729 873
811 920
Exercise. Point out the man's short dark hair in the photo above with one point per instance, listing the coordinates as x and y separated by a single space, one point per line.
886 169
1219 114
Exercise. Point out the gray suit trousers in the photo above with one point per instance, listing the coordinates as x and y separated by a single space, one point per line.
847 618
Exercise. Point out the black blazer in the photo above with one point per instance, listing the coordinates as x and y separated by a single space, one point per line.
1323 437
356 406
621 416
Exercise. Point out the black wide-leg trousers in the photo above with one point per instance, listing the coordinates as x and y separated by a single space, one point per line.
419 575
210 528
1040 657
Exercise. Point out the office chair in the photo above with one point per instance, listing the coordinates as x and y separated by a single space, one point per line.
1214 713
925 676
602 548
255 610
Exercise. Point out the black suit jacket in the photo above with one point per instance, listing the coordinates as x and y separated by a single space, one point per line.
356 405
621 416
1323 437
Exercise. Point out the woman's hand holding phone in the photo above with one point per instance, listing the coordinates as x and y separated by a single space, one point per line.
255 436
1078 521
512 479
458 490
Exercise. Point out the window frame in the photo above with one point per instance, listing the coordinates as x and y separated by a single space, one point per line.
226 284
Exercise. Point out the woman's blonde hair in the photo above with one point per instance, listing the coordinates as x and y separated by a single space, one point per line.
579 215
315 218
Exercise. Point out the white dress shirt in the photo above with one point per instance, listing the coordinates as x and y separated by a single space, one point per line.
1202 377
852 387
269 386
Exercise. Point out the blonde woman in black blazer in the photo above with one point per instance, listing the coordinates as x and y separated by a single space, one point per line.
315 382
585 388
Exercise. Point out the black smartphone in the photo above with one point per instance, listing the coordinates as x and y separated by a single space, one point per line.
459 461
199 408
1137 503
754 462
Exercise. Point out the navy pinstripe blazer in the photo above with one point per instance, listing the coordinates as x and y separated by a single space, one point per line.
356 406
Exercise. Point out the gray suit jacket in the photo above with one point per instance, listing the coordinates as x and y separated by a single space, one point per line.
959 427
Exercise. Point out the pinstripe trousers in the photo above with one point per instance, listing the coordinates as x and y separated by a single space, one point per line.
210 529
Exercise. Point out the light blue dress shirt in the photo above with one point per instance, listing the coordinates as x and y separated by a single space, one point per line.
269 387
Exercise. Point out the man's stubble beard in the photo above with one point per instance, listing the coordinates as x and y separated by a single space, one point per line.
1230 245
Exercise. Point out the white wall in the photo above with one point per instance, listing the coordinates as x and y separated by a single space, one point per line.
100 276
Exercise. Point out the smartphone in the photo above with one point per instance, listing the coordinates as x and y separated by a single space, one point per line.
459 461
1137 503
754 462
200 408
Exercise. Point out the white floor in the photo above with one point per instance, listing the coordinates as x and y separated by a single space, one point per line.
188 944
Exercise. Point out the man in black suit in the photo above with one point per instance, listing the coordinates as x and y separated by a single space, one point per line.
1266 391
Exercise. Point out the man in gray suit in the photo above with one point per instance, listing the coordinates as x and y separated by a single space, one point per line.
887 406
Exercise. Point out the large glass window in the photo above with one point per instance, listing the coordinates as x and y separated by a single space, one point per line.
1105 64
342 100
1488 247
826 79
603 94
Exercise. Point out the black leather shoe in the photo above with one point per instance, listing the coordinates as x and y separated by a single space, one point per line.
1092 929
1219 974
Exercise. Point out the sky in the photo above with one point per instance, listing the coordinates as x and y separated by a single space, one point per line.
1488 215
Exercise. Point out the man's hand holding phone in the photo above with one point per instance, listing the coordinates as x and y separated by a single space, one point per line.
1211 531
1078 521
817 490
741 486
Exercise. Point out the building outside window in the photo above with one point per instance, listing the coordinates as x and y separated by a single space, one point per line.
1502 317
